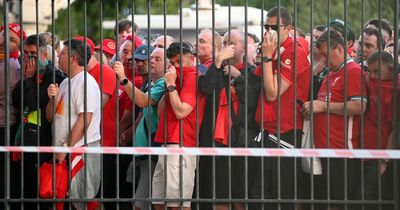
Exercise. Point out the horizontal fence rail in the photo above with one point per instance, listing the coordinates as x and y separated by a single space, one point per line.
199 104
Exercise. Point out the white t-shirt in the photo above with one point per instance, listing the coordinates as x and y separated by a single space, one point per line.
77 106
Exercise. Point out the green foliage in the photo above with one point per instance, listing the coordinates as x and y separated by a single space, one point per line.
356 15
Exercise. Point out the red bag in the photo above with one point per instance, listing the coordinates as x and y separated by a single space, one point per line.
46 181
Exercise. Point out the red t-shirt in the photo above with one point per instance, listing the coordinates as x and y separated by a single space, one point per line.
125 102
108 87
187 94
288 72
336 122
371 116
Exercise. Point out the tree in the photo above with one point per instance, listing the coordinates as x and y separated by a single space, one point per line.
356 13
109 13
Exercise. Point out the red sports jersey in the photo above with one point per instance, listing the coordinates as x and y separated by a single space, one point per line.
187 95
108 87
287 104
371 116
336 122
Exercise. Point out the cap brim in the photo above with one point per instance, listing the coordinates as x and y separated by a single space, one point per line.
140 57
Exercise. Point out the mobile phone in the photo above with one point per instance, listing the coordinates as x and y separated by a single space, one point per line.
299 102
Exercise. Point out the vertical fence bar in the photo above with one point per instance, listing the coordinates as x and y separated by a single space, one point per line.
311 97
328 189
117 106
101 102
229 104
133 104
246 167
165 110
37 105
262 96
345 140
85 97
362 106
278 130
213 169
22 78
69 93
53 126
396 142
379 42
197 181
149 96
6 6
180 85
295 140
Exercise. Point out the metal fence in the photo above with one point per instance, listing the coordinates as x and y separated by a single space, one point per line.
255 168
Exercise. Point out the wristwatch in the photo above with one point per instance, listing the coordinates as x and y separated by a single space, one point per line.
266 59
170 88
124 82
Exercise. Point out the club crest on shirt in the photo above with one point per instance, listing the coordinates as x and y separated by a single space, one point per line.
286 63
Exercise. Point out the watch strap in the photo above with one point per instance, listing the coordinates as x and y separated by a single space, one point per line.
266 59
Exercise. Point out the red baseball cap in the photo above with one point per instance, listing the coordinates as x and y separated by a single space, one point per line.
109 46
136 40
88 41
16 28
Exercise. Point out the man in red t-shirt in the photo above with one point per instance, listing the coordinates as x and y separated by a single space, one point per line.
181 102
126 125
279 65
380 104
337 125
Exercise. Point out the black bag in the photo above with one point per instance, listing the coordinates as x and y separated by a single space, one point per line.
240 140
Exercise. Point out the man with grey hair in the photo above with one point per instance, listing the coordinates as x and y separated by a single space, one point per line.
161 40
148 101
217 80
205 48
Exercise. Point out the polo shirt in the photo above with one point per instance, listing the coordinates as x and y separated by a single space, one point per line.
287 104
336 122
187 94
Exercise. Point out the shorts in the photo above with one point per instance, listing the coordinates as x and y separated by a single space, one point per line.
171 183
93 178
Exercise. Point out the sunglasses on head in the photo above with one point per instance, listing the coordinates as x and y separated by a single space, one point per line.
273 27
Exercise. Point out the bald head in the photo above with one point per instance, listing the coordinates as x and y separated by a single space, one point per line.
159 42
239 35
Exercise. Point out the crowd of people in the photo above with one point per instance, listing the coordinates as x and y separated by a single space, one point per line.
168 93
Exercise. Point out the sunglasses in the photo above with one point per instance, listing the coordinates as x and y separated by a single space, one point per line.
273 27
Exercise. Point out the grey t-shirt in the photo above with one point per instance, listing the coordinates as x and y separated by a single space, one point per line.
14 73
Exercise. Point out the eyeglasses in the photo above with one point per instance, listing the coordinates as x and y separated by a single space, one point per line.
273 27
